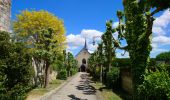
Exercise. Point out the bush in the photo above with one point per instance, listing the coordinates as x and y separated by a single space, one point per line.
156 86
62 75
112 77
73 71
121 62
16 72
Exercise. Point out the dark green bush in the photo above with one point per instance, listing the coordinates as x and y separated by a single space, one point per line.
62 75
16 71
121 62
156 85
112 77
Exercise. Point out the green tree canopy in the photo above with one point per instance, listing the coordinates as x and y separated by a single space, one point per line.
165 56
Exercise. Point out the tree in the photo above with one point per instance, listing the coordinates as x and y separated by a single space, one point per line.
165 56
71 64
137 31
44 33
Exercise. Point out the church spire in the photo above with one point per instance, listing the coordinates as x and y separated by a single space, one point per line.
85 44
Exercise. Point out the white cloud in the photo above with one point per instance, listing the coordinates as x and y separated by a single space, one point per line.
75 41
158 31
164 40
89 34
163 20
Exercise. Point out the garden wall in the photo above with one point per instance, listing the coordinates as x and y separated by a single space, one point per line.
126 79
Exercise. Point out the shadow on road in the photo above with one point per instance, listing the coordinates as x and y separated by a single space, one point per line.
85 85
73 97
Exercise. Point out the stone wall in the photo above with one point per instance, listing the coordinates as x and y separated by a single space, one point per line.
126 79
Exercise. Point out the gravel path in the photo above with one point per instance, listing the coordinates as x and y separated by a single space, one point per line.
77 89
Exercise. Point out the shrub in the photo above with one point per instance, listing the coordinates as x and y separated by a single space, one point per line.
73 71
112 77
16 71
62 75
156 85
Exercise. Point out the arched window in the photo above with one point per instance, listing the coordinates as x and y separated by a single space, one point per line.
84 61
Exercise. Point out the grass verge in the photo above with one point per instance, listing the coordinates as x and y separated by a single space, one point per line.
36 93
107 94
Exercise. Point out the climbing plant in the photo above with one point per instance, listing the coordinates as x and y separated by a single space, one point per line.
135 26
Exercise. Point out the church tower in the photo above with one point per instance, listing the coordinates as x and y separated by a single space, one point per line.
5 15
83 56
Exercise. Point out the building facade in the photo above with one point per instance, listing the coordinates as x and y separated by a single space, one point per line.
5 15
82 57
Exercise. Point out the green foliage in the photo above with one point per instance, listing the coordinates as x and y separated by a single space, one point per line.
163 4
62 75
73 71
43 33
71 64
122 62
15 69
156 85
112 77
165 56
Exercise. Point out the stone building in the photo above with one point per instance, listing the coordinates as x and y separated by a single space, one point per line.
82 57
5 15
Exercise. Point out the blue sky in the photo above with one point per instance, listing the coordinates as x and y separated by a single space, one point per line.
87 18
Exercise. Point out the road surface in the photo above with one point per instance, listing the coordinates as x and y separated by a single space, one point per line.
76 89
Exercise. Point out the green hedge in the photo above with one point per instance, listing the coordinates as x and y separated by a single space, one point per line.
112 77
125 62
62 75
156 85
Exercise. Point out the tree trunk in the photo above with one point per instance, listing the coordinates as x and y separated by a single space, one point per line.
101 73
47 73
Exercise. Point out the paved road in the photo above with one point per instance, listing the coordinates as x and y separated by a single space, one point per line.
77 89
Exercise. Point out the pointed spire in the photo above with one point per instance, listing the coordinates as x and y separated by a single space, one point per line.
85 45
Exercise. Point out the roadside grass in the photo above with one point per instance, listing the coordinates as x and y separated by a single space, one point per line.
40 91
109 94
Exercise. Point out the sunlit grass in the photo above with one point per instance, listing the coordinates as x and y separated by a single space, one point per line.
107 94
40 91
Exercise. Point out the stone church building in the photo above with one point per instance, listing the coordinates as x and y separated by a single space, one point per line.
82 58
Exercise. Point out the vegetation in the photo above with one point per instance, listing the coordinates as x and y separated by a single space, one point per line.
135 27
156 85
15 69
44 33
165 56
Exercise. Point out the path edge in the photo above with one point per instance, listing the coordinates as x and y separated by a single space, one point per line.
47 95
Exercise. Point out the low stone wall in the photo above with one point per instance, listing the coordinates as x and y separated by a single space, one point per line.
126 79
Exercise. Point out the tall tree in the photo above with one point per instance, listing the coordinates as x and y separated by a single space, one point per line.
138 16
44 33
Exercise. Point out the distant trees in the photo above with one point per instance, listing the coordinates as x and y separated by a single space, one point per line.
165 56
69 66
44 33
